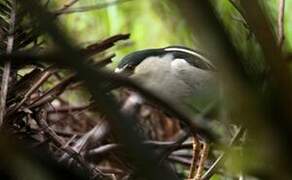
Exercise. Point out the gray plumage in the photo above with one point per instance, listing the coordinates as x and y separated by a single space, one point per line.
174 78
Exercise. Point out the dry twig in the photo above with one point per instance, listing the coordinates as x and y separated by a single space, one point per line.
59 142
214 167
53 92
68 5
45 75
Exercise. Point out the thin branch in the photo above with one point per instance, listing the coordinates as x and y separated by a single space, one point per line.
95 135
162 145
180 139
103 45
203 157
212 170
7 65
281 14
59 142
68 5
46 74
53 92
105 61
178 159
88 8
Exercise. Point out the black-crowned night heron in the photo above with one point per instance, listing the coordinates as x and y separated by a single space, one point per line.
181 76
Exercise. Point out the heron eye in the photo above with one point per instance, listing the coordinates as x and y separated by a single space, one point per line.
130 67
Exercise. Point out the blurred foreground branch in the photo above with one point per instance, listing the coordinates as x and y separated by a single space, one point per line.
122 124
280 28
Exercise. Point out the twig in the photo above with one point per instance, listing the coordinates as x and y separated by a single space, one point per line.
53 92
281 14
212 170
165 145
105 61
184 152
87 8
195 157
7 65
46 74
102 150
203 157
61 133
41 120
178 143
104 44
68 5
95 135
69 141
181 160
111 170
28 57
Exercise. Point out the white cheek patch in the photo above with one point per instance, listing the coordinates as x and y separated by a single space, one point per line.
179 63
118 70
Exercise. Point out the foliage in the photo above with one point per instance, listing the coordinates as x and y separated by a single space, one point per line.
59 99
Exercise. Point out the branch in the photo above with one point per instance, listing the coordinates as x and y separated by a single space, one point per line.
45 75
180 139
7 65
214 167
53 92
28 57
68 5
281 14
59 142
104 44
160 145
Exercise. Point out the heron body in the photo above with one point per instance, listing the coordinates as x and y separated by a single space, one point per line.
179 75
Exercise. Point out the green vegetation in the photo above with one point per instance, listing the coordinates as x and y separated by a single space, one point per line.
57 100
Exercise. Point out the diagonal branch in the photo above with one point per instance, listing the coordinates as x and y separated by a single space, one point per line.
68 5
53 92
41 121
214 167
46 74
